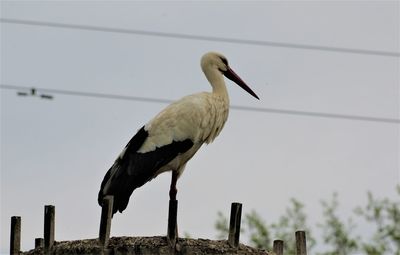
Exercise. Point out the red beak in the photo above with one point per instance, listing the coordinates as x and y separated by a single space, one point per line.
231 75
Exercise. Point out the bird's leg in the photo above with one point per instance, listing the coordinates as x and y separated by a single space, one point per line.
172 234
173 190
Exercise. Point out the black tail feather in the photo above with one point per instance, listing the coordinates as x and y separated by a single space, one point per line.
117 182
133 169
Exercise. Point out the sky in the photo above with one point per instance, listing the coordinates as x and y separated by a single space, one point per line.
57 151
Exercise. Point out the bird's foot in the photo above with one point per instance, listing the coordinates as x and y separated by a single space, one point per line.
173 243
172 232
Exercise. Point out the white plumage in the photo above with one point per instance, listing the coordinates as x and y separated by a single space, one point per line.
199 117
173 136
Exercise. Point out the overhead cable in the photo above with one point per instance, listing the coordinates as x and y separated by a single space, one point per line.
200 37
235 107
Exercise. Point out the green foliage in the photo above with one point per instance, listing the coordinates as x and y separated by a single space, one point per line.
337 234
259 232
293 220
385 216
221 225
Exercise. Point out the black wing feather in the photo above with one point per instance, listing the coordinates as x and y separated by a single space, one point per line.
135 169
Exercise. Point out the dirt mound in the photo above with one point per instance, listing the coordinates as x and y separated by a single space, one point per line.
148 245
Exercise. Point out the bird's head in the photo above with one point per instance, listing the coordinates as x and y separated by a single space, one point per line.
217 61
214 60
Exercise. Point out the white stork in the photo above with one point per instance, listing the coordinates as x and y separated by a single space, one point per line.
171 138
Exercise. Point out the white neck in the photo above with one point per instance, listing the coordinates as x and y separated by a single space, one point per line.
216 79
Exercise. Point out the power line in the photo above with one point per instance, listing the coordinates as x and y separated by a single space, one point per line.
236 107
89 94
200 37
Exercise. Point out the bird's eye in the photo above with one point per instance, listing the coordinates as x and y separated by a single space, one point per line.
225 61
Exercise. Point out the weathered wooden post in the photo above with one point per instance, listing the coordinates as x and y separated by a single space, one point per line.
172 231
301 245
277 247
49 226
105 220
15 235
234 224
39 243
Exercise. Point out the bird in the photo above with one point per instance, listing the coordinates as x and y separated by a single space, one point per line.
169 140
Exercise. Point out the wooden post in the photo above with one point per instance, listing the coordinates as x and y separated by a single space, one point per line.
15 236
172 231
105 220
301 245
278 247
39 243
49 226
234 225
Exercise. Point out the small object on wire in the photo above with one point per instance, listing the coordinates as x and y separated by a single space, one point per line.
22 94
44 96
33 92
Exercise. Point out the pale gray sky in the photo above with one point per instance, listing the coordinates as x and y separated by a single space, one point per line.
57 152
